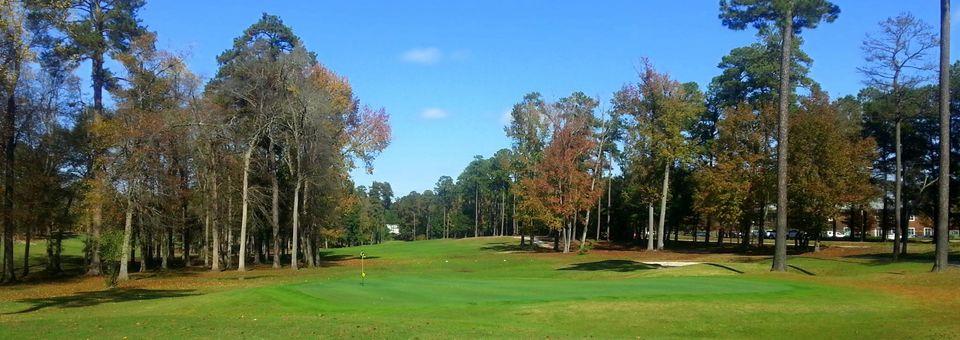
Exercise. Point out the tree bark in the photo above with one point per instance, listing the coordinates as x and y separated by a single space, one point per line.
296 221
51 249
296 215
503 212
127 232
205 252
513 215
904 234
599 199
942 252
663 205
650 231
96 206
783 129
144 244
897 193
556 240
229 249
706 240
609 186
215 226
9 119
243 212
274 204
187 260
166 248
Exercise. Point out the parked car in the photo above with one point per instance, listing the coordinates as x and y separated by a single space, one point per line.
701 233
770 234
793 233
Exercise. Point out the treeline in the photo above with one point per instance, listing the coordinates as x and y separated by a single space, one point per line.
251 165
670 156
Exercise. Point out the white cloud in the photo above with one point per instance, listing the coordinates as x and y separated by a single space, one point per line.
424 56
434 113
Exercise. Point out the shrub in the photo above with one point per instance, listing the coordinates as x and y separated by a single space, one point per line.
111 251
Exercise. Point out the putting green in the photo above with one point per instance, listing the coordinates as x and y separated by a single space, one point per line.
410 291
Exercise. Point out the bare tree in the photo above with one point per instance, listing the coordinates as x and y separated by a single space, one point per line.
896 59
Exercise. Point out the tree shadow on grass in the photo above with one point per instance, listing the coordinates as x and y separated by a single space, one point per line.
801 270
504 247
85 299
701 248
329 259
877 259
622 266
724 267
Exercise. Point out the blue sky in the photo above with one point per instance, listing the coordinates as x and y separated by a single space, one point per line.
448 71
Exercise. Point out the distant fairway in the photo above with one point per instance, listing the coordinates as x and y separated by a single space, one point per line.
487 288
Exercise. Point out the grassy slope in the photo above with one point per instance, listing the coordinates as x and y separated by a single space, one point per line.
472 288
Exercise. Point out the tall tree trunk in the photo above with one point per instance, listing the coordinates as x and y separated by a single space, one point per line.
243 212
127 232
9 119
556 240
586 225
942 252
55 241
205 252
144 244
663 205
296 222
51 244
229 250
897 194
783 129
904 234
503 211
169 249
513 215
609 186
166 248
650 232
599 199
96 206
310 231
706 239
274 204
26 252
215 226
187 261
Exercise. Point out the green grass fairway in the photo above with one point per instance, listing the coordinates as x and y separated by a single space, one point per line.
486 288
